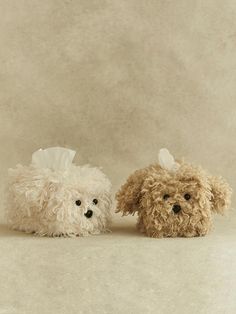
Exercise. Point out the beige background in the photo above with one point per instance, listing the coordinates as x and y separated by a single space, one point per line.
118 80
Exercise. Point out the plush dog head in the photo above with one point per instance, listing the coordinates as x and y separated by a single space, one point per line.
173 199
60 200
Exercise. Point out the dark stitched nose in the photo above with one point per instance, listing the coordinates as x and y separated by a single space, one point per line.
176 209
89 213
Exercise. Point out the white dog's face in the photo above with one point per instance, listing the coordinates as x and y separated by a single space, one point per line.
81 212
94 212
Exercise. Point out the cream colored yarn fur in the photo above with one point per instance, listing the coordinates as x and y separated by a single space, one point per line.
144 193
42 201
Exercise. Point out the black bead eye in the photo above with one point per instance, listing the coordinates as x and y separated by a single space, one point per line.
187 196
95 201
166 196
78 202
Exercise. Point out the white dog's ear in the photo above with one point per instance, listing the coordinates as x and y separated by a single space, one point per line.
129 195
57 199
221 194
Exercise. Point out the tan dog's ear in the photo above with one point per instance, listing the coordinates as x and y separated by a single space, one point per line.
221 194
128 197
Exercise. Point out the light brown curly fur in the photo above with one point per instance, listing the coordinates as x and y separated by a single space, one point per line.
144 190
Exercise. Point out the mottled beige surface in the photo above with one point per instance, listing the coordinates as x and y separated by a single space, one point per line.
118 274
117 80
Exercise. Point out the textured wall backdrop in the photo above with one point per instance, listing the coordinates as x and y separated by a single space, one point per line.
117 80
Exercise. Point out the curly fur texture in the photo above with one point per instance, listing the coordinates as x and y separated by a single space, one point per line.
153 192
43 201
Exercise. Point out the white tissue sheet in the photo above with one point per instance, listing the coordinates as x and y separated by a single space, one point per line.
55 158
167 161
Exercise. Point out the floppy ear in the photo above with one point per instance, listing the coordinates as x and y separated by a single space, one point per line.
221 194
128 197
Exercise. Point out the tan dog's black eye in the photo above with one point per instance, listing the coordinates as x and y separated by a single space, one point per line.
95 201
187 196
166 196
78 202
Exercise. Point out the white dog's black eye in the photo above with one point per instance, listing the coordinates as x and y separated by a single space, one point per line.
95 201
187 196
78 202
166 196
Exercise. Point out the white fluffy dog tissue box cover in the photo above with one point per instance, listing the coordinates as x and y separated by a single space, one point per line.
54 197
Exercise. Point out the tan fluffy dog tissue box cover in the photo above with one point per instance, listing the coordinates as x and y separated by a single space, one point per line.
54 197
173 199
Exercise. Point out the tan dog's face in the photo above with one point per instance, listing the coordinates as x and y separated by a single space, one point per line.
176 204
